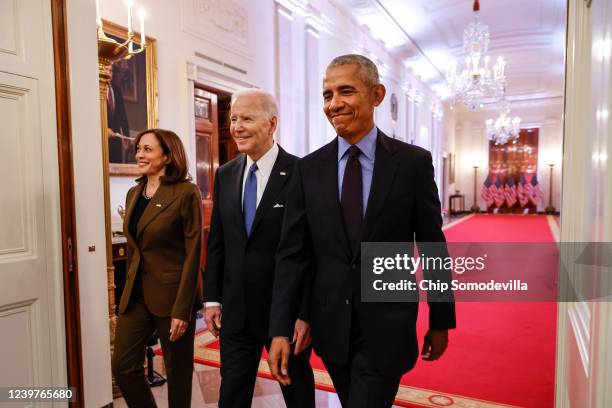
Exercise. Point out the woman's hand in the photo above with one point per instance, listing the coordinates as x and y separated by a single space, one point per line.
177 328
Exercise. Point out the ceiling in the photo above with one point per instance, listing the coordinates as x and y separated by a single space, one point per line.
427 34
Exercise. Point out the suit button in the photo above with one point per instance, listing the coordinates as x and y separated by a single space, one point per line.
347 301
353 266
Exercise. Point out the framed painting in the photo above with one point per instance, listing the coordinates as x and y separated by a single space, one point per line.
131 101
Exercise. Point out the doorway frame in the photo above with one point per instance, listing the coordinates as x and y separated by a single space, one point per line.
208 77
70 270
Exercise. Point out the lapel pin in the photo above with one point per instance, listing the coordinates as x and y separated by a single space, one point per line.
282 173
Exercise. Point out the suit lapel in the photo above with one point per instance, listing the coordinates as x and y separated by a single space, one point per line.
328 178
129 211
163 197
278 177
385 167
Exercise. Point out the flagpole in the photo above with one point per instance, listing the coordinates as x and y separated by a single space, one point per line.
550 209
475 207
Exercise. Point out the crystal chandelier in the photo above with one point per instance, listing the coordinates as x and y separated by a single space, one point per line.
478 82
504 129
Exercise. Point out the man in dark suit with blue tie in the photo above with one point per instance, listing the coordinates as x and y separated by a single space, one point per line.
249 203
361 187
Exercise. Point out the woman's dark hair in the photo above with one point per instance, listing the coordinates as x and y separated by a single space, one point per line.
176 169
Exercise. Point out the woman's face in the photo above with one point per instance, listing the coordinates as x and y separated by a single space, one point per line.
150 156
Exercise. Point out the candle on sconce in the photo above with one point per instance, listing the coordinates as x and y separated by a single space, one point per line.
141 15
98 18
130 3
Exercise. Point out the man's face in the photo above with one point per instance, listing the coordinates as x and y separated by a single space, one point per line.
250 126
349 103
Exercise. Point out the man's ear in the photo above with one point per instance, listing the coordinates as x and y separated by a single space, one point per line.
379 91
273 124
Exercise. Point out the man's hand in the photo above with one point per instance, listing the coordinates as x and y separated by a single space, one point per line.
177 328
278 360
301 336
434 344
212 315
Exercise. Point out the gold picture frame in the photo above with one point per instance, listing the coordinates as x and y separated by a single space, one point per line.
132 106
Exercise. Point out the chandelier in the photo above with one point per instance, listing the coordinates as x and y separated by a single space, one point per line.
504 129
477 83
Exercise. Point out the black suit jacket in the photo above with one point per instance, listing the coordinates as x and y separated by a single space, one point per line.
403 206
239 271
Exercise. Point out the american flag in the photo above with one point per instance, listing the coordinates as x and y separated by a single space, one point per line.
499 193
486 195
535 193
521 191
510 191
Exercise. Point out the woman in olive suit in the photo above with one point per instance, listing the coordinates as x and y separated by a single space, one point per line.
163 227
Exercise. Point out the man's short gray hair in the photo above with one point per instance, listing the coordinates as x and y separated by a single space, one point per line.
367 71
268 101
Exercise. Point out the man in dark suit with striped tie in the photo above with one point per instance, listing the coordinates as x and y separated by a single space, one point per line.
249 203
361 187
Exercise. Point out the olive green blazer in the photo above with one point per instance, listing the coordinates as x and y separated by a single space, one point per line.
167 248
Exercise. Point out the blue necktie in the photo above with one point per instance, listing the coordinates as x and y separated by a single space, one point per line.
249 205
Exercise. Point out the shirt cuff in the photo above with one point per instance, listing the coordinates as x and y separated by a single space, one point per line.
212 304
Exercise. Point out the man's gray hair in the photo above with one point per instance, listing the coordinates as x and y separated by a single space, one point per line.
367 71
268 101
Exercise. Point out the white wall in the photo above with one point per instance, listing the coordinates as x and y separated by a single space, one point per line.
472 148
89 200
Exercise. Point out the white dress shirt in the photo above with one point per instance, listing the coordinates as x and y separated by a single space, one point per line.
264 169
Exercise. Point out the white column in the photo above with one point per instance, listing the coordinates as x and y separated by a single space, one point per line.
284 80
313 100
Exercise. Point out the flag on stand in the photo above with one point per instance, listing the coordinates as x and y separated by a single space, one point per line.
510 191
499 193
535 193
521 191
485 194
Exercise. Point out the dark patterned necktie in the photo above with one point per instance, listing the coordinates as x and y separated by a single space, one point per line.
351 199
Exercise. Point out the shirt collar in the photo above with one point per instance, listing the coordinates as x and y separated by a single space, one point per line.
265 162
367 144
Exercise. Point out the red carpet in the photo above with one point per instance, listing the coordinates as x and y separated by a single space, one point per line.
502 354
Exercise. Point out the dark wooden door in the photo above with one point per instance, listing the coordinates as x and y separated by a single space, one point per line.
207 154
